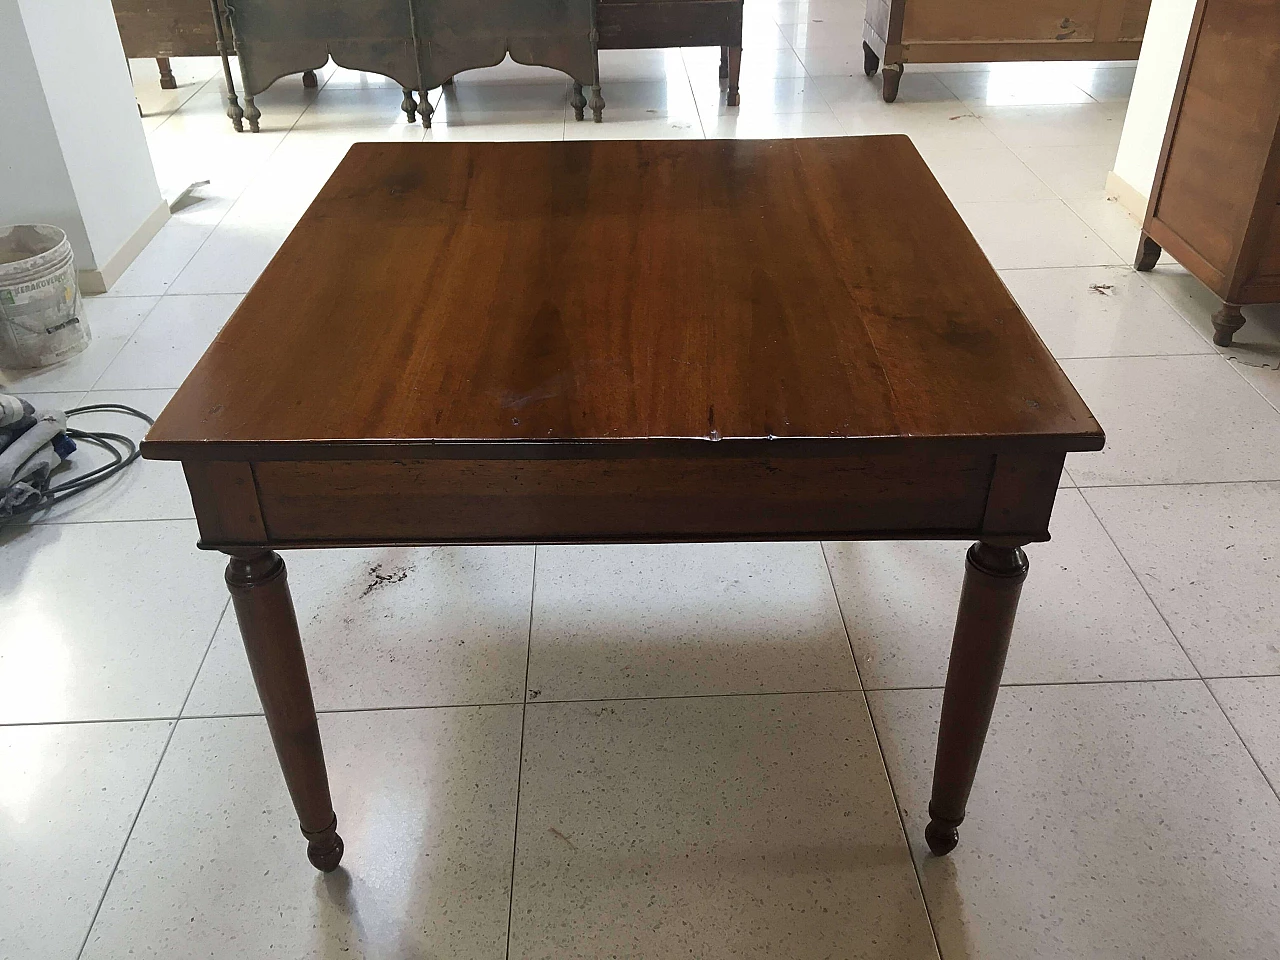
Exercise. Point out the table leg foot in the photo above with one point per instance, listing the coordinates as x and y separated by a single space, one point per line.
732 99
597 104
324 849
167 79
409 105
988 604
1148 254
252 114
1226 322
309 79
578 102
870 60
941 836
259 588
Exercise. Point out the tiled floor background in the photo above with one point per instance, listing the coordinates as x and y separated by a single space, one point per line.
655 751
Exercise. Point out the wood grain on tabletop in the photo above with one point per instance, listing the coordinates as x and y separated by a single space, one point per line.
622 290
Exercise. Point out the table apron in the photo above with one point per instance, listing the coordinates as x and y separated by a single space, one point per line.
880 495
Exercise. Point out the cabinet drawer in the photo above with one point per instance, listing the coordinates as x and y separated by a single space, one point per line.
640 24
994 21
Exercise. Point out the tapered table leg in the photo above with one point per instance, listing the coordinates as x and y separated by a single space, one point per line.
167 79
988 603
260 593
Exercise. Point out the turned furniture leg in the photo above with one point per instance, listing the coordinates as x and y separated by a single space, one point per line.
167 81
735 69
892 76
1148 253
578 101
233 105
988 602
870 60
260 593
425 110
252 114
724 63
309 80
1226 322
409 105
597 104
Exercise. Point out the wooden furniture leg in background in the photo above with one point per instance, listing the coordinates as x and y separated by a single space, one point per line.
259 589
309 79
1148 254
1226 322
870 60
891 74
409 105
988 603
578 101
724 63
735 69
167 81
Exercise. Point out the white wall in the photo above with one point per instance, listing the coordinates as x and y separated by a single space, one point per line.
1163 46
81 159
34 184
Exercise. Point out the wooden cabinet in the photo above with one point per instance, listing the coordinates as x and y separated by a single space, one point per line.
1214 204
898 32
166 28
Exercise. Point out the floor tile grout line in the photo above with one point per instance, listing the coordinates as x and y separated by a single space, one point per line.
173 722
844 623
884 765
337 711
902 824
524 714
155 772
1145 592
196 679
93 920
1240 737
1195 666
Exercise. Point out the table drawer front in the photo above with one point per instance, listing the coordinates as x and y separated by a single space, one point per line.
443 501
641 24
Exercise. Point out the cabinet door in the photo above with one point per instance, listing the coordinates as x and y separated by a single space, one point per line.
992 21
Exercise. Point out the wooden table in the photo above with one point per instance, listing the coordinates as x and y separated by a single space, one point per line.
625 342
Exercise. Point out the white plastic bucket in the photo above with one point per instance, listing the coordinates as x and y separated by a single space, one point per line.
40 306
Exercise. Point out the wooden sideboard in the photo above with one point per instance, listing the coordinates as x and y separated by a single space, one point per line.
161 29
421 43
1215 204
898 32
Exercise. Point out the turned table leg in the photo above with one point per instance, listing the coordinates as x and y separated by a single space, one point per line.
1226 322
988 603
1148 254
309 80
260 593
578 101
409 105
167 79
735 70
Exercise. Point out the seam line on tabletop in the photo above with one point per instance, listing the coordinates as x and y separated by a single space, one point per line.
875 735
155 772
524 713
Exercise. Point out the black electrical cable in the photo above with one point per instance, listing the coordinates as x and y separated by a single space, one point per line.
123 452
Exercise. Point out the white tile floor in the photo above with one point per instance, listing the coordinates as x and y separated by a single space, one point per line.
711 751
